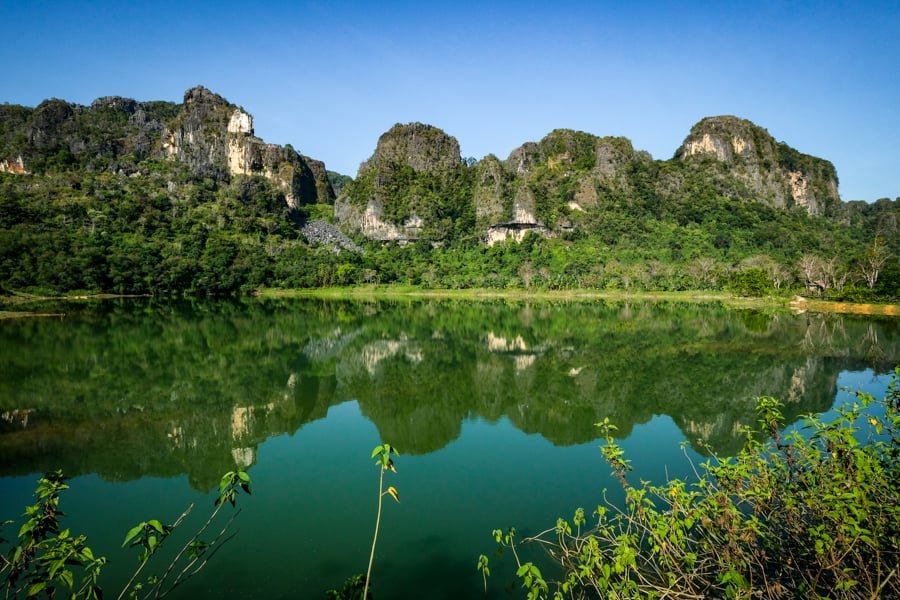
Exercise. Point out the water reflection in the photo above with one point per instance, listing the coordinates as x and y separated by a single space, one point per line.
132 389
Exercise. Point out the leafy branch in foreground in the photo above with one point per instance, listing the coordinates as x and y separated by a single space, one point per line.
812 513
193 555
47 560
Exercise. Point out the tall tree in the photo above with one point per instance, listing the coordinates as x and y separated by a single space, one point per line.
873 260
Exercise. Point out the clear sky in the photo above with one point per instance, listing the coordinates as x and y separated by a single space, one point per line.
330 77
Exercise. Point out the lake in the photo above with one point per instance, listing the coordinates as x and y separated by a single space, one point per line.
492 406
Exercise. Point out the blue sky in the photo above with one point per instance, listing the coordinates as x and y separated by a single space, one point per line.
330 77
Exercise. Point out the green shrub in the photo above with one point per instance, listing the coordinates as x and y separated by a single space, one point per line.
853 293
811 513
752 282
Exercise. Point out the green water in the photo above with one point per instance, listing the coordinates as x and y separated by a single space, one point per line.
491 405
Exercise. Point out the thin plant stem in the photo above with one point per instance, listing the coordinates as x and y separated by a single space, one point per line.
375 537
146 560
184 575
159 584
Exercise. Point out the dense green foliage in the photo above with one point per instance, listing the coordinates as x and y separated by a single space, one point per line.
57 136
106 232
441 200
43 558
86 231
814 512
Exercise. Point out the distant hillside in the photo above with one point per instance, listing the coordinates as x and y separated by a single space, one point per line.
157 197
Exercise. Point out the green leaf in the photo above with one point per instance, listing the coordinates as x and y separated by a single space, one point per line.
26 527
67 578
155 525
133 532
378 450
197 548
35 588
226 480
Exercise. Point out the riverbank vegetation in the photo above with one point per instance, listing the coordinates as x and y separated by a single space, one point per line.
813 511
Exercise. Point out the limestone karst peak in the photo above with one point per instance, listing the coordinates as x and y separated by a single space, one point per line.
198 93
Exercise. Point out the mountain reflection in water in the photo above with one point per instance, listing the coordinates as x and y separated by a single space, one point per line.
129 389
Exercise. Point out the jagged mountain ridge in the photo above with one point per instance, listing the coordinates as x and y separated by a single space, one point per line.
548 186
206 133
416 185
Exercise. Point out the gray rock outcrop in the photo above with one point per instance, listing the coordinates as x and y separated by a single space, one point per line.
772 172
213 135
322 232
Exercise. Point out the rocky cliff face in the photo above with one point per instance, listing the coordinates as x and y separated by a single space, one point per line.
16 166
770 171
213 135
112 134
401 192
552 186
551 182
425 148
209 135
492 192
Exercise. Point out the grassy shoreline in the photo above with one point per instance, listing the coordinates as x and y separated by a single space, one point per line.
395 292
855 308
585 295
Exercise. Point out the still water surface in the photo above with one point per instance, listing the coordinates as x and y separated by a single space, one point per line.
491 405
